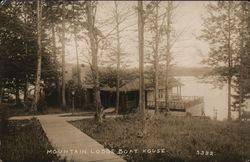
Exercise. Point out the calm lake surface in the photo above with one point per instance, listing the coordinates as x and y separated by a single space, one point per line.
214 98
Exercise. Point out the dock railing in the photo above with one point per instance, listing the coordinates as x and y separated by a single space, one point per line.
178 103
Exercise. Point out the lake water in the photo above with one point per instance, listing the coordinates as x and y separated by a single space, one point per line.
215 99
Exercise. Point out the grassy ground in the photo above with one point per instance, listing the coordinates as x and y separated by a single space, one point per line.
183 138
25 141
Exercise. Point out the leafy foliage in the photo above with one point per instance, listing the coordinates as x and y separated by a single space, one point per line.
226 29
18 47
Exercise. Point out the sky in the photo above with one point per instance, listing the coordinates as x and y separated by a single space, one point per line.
190 17
187 51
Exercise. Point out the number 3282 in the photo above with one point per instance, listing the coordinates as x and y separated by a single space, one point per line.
205 153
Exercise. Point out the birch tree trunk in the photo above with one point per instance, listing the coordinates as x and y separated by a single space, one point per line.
94 51
39 57
156 62
169 8
141 64
118 59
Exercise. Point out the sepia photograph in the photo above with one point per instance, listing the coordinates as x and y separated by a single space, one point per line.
124 81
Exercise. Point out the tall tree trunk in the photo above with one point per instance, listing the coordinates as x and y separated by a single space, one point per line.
85 93
77 59
241 75
39 57
168 54
229 97
17 93
26 53
94 52
118 59
26 88
1 91
1 87
141 64
63 63
156 54
229 61
78 69
242 52
55 58
240 102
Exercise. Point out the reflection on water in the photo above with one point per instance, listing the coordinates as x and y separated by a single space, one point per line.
215 99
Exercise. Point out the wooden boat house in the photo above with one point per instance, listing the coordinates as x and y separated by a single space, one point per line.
129 98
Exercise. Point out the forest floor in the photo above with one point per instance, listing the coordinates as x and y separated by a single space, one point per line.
169 138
